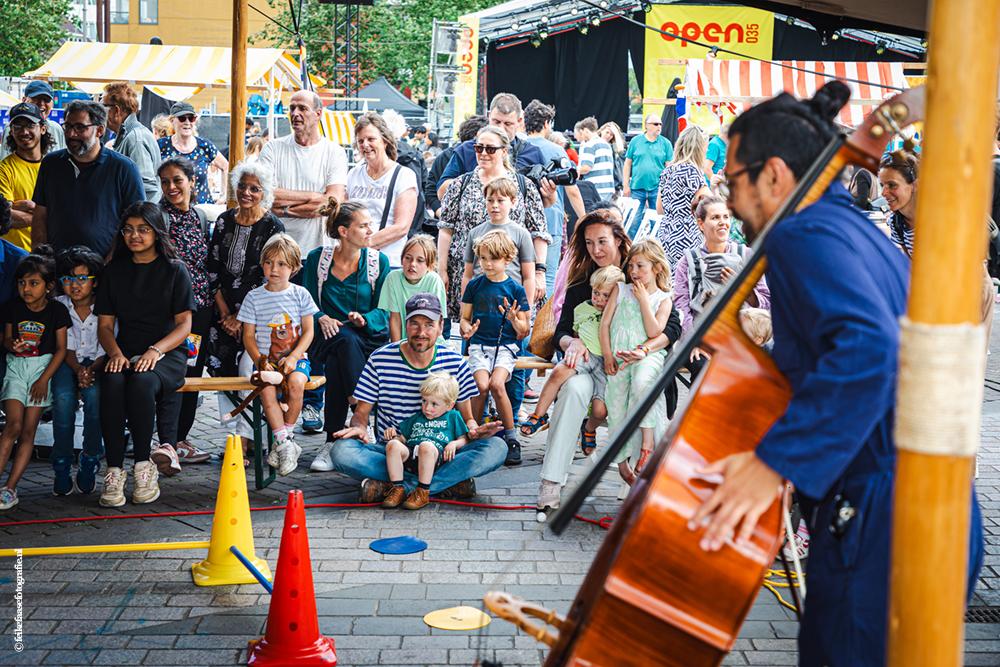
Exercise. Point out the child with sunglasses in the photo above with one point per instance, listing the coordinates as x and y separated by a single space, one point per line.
79 270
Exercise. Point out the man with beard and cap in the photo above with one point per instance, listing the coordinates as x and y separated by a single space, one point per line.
391 378
838 288
40 94
82 189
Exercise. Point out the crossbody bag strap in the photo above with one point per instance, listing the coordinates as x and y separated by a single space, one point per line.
388 198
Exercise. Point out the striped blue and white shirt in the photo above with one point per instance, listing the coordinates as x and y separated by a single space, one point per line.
597 153
389 380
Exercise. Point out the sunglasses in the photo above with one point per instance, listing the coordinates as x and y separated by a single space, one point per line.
489 150
187 118
252 189
69 280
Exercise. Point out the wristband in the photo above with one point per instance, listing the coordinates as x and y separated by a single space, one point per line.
157 350
643 347
540 267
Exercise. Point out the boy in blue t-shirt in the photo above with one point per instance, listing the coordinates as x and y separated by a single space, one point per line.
493 322
424 441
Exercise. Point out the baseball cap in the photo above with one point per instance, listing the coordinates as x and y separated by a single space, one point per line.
424 304
181 108
37 88
25 110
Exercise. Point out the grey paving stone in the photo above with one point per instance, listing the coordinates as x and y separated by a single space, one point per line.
190 657
70 657
112 656
395 626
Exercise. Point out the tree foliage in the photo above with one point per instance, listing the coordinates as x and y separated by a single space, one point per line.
394 37
30 31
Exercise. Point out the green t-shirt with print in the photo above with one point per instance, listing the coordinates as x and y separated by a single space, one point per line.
587 325
418 428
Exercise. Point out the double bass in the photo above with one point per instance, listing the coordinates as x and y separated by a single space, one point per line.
652 596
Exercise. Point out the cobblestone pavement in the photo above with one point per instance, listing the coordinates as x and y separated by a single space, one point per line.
142 608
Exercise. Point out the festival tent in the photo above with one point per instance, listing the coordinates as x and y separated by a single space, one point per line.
380 95
173 72
738 84
7 100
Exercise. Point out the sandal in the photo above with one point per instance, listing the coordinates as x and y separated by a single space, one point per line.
534 424
588 440
188 453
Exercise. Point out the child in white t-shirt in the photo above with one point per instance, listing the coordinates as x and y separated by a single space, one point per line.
274 314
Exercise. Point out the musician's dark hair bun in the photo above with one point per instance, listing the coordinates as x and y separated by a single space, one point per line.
829 100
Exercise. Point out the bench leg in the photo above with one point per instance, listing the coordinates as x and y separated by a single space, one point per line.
259 437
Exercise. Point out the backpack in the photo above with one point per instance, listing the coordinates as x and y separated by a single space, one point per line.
409 158
202 218
326 259
696 269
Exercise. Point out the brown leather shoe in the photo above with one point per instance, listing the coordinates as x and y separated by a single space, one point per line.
418 498
393 497
373 490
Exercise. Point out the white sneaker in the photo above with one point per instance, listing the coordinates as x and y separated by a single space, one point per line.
312 421
113 494
323 462
285 457
8 498
147 489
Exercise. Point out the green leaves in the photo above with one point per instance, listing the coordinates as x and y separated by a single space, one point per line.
394 37
30 31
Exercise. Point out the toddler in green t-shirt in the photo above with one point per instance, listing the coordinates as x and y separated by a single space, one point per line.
586 324
425 441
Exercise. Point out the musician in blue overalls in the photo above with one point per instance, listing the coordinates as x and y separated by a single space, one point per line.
838 289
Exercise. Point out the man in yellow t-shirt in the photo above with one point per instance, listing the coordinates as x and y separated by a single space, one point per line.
28 141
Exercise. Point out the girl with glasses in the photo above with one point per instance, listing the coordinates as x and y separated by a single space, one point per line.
144 306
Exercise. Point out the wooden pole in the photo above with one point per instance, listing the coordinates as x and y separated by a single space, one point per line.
238 97
933 488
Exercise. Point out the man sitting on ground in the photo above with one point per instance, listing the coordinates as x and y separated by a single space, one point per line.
392 378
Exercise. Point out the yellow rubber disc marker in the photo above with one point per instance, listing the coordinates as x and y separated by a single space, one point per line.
457 618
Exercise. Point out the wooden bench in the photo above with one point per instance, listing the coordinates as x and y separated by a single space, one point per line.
230 386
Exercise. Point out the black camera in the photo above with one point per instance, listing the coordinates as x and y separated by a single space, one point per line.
554 171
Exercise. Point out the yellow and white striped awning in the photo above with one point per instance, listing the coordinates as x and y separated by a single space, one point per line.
7 100
337 126
175 72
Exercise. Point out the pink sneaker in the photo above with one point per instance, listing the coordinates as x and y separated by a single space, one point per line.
166 460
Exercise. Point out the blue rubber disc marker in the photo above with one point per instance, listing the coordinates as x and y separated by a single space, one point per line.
405 544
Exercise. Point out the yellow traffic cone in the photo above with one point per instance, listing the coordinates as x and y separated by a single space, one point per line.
230 527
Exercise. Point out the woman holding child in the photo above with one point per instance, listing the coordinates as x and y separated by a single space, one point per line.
234 268
146 293
345 280
463 208
599 241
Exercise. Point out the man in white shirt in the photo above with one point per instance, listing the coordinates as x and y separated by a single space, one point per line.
308 169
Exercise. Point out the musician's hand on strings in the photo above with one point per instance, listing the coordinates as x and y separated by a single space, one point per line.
748 488
698 353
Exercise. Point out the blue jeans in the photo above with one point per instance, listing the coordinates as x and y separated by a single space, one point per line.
646 198
64 392
362 459
552 259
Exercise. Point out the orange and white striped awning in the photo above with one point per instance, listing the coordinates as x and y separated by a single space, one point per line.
742 83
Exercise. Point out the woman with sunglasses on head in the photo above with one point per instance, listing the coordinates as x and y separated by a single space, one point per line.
897 174
463 208
187 229
186 143
234 269
146 293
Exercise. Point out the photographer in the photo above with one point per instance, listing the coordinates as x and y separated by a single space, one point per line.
538 124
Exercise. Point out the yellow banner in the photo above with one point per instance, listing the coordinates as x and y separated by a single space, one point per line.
742 29
467 86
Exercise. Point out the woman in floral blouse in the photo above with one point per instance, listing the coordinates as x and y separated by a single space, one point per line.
463 207
234 268
188 232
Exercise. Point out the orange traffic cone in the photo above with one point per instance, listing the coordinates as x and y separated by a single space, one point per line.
292 635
